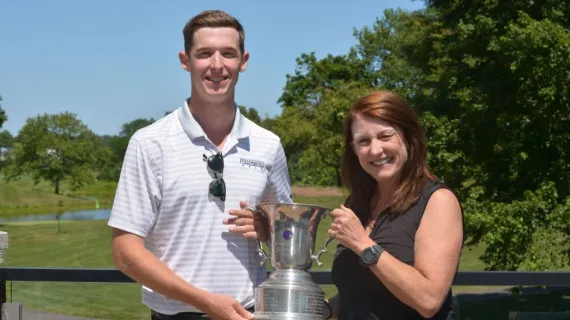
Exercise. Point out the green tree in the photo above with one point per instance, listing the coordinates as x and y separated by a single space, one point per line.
522 126
119 145
531 233
6 139
268 122
294 128
492 82
110 157
3 116
251 114
305 88
307 100
395 48
129 128
321 137
108 167
54 148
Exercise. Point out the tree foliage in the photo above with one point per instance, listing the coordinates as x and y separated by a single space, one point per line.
54 148
6 139
505 75
110 159
3 116
314 101
251 114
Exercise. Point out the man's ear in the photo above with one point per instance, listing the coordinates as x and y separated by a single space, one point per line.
244 61
184 60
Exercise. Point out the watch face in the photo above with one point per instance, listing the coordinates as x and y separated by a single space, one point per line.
368 255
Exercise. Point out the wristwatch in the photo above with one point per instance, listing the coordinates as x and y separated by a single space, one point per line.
370 255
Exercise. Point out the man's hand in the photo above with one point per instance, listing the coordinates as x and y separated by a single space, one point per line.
246 223
224 307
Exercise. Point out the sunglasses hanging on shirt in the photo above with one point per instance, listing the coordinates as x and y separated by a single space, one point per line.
217 187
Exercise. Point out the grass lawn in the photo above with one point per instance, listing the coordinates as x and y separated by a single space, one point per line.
23 197
81 244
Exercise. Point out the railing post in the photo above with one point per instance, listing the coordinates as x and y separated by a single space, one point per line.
8 311
2 298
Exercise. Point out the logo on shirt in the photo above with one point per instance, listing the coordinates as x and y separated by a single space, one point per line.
256 164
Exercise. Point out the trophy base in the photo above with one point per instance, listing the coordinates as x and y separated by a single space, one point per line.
289 294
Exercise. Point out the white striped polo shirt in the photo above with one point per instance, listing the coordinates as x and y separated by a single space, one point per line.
163 196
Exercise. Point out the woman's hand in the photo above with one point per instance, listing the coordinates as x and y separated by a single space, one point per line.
347 229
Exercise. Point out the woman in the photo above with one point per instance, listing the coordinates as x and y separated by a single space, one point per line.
400 231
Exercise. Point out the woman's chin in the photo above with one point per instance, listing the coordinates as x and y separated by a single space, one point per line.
384 176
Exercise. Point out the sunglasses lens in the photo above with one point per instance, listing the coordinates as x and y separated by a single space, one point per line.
216 163
216 166
218 189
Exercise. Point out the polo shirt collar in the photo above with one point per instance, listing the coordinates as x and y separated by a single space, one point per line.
240 128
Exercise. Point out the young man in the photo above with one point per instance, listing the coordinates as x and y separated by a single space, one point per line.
179 227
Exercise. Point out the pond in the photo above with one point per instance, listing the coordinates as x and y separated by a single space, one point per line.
96 214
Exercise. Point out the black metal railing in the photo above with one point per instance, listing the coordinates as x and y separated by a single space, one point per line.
471 278
323 277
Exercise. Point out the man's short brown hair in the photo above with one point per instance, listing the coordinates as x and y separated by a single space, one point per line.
212 19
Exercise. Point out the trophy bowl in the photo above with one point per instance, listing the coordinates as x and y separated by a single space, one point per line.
289 292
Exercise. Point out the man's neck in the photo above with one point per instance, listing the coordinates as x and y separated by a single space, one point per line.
216 119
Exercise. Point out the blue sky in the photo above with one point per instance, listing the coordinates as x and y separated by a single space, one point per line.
111 62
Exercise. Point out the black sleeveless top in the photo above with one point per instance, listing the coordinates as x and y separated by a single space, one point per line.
362 295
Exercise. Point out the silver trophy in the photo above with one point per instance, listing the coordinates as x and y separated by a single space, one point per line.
289 292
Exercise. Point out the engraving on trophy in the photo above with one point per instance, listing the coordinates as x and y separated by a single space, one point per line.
298 301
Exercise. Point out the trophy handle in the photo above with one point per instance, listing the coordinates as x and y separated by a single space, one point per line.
260 250
327 303
324 250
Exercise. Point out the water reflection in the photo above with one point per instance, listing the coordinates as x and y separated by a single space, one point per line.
101 214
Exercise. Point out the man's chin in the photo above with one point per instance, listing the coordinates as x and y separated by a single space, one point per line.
217 96
221 91
217 93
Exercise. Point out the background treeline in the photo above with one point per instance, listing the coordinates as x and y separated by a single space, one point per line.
490 80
